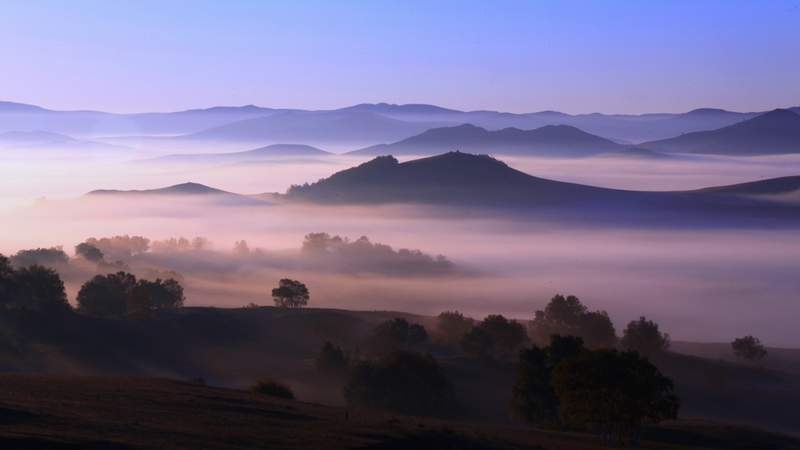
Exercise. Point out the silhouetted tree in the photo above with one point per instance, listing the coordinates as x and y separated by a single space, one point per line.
37 288
749 348
120 294
401 382
331 359
120 247
89 252
6 279
48 257
567 316
533 397
397 334
495 337
643 336
613 392
290 294
451 326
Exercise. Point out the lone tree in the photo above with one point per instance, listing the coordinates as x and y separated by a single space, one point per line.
643 336
749 348
32 288
613 392
567 316
290 294
402 382
495 337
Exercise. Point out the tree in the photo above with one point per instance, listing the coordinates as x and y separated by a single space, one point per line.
567 316
401 382
643 336
37 288
749 348
119 294
533 398
331 359
290 294
451 326
614 392
397 334
6 279
49 257
89 252
494 337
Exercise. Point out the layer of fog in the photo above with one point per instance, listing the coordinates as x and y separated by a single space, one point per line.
706 285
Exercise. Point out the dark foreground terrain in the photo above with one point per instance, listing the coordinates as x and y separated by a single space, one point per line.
69 412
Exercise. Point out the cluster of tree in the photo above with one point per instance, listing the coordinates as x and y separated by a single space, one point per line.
120 247
364 255
604 390
32 288
180 244
48 257
396 335
495 337
120 295
569 317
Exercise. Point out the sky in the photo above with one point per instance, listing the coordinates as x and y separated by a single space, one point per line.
518 56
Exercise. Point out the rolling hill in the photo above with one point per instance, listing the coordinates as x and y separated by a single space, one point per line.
45 140
775 132
550 140
261 153
185 190
465 180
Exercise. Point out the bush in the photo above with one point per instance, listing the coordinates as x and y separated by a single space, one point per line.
273 388
402 382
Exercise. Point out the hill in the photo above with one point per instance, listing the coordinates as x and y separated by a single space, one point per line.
267 152
635 153
550 140
184 190
46 140
461 179
775 132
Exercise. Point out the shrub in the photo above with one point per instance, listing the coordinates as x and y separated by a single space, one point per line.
273 388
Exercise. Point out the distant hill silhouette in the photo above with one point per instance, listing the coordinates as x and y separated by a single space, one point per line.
347 127
47 140
464 180
772 186
267 152
550 140
775 132
189 190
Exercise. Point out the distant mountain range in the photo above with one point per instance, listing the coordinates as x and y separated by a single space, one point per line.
463 180
358 125
262 153
47 140
550 140
775 132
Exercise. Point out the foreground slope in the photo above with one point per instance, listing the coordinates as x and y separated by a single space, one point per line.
775 132
61 412
550 140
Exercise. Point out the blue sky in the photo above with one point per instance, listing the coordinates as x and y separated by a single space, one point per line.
572 56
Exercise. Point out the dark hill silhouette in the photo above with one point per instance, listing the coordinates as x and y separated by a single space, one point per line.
267 152
460 179
635 153
775 132
772 186
550 140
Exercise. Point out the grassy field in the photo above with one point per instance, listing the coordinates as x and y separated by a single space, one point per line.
67 412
